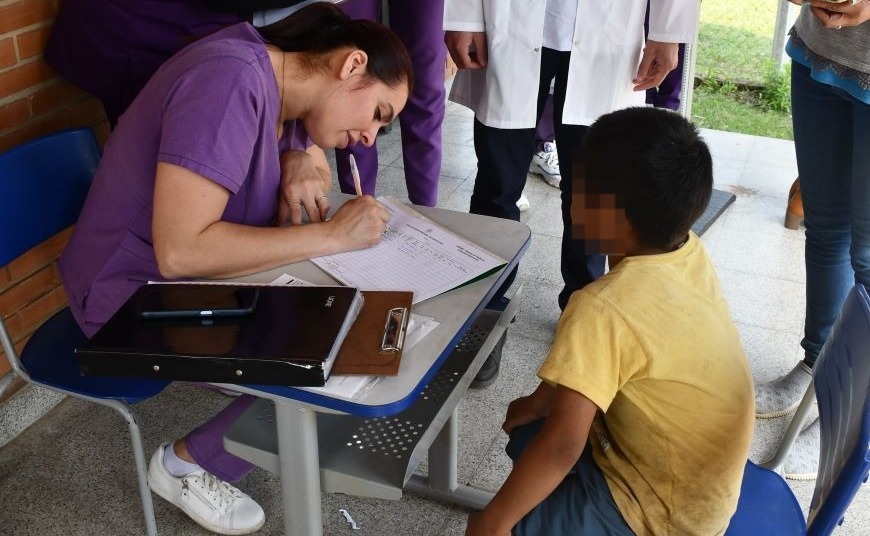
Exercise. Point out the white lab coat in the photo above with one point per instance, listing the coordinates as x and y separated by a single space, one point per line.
605 55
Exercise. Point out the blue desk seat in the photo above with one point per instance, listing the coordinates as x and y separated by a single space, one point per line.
44 183
841 380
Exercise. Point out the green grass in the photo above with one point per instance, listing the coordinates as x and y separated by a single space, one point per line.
734 47
737 111
735 38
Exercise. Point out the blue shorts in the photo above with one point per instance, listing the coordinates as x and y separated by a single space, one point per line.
581 504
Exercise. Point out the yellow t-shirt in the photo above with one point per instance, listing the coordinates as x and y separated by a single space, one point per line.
652 344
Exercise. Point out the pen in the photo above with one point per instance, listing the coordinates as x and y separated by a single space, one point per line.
355 172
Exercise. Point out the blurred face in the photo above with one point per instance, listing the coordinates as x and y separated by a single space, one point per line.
599 219
354 112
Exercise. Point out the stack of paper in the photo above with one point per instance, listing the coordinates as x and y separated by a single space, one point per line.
415 254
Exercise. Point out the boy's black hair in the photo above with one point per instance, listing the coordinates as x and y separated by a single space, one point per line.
656 164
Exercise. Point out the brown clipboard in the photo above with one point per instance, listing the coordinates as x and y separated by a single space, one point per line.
374 344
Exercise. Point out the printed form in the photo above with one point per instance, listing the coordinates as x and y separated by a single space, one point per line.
415 254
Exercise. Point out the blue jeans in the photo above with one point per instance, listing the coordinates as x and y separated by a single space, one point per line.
832 142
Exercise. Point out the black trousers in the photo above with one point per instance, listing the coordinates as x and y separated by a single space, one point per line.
503 158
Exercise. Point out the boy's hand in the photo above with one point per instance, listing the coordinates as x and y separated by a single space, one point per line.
522 411
545 461
527 409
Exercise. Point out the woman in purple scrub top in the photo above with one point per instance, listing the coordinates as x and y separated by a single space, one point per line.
193 180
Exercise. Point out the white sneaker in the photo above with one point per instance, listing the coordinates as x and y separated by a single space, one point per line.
546 164
802 462
208 500
523 203
782 395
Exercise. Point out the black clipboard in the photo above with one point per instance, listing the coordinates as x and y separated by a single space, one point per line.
291 337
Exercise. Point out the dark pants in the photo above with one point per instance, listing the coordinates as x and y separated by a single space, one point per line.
580 504
545 130
831 136
503 158
578 268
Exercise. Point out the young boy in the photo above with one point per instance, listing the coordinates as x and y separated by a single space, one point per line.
646 378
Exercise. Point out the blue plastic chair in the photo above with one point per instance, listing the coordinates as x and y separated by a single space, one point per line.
44 183
841 379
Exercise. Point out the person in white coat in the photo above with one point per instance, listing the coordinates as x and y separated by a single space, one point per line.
509 52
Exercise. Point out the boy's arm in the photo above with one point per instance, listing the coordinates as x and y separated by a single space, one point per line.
542 466
528 409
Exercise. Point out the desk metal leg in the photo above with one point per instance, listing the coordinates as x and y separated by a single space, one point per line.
441 484
299 469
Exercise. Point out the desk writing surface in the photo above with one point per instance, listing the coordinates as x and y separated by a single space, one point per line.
452 310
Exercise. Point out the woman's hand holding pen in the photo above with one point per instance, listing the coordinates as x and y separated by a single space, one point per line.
304 185
359 223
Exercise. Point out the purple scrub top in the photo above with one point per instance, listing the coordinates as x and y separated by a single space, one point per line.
212 109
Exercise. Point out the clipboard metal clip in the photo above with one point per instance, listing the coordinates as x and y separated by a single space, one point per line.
394 330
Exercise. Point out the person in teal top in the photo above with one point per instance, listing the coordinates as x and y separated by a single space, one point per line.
830 87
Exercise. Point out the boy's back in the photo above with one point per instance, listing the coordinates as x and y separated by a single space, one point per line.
652 344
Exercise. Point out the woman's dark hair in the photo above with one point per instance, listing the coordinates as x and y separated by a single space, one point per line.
656 164
321 28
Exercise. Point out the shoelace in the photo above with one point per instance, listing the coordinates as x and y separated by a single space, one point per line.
218 493
551 156
552 159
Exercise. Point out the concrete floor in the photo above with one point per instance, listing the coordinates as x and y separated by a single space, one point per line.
71 473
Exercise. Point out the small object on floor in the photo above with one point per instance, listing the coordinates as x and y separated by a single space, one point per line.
802 462
349 519
545 163
719 201
214 504
488 373
794 212
782 395
523 203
